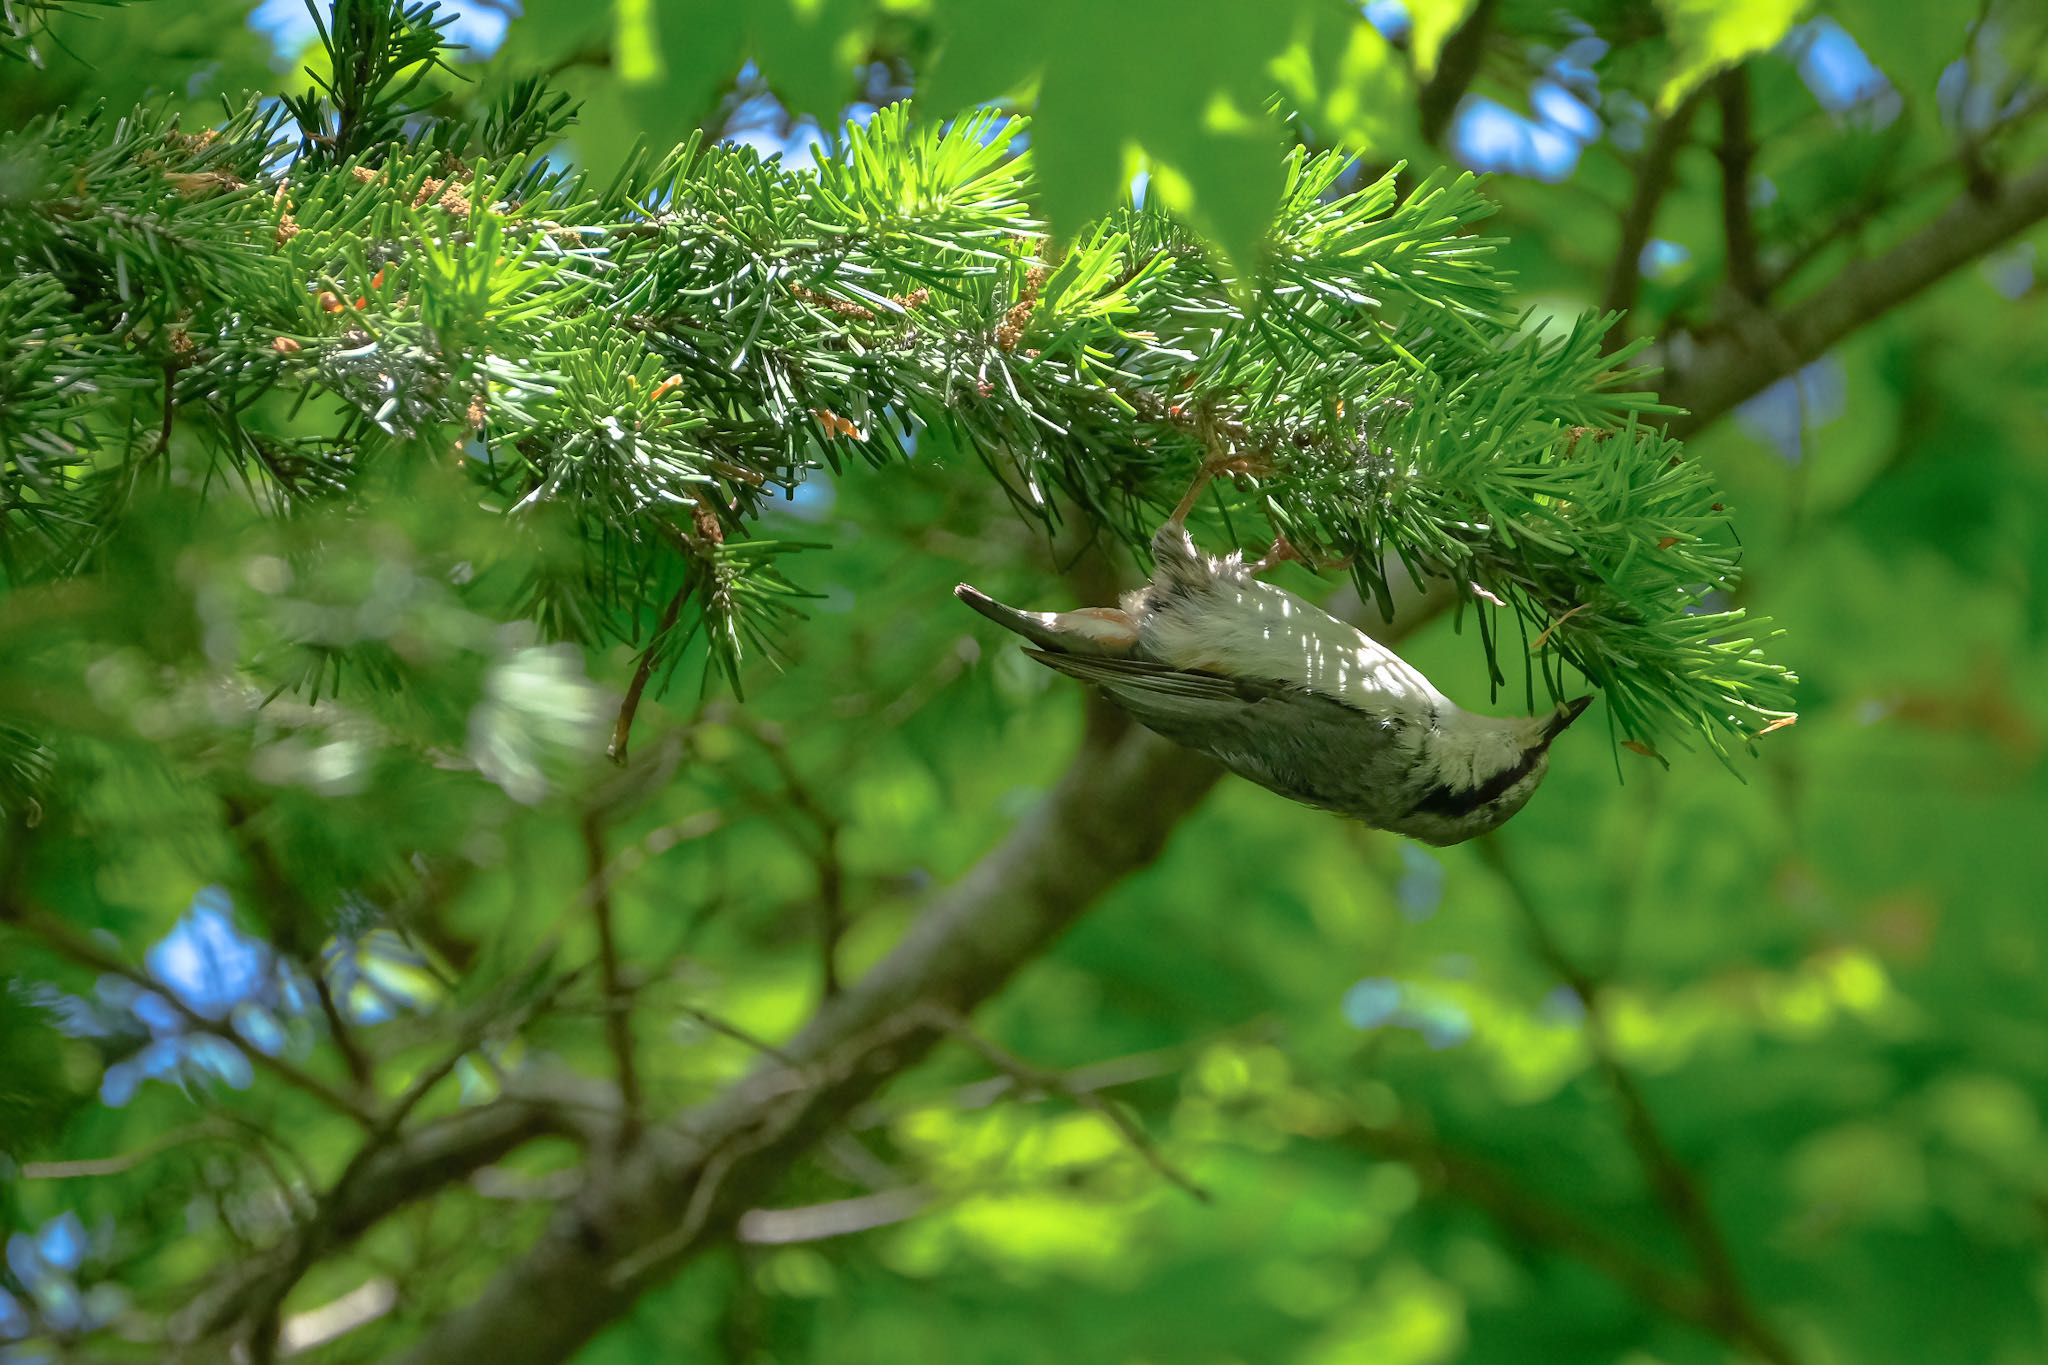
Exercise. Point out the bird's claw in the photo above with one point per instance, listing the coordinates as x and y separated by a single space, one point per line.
1284 551
1217 463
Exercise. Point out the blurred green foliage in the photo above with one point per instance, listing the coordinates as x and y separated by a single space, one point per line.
1825 985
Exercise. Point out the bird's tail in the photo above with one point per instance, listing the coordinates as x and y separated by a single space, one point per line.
1103 631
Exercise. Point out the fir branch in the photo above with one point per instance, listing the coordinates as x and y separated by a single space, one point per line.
709 330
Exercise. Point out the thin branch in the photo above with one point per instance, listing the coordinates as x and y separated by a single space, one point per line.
618 1000
1653 176
432 1156
622 728
1736 151
1107 1074
337 1317
838 1218
275 893
1674 1185
1457 66
1030 1077
1540 1223
832 910
82 949
352 1056
1754 352
725 1028
84 1168
163 435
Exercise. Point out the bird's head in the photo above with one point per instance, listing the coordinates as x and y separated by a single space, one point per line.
1478 771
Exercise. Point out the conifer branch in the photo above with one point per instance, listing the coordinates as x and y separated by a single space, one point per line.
613 364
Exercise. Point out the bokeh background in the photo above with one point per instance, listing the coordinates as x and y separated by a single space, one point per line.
1693 1065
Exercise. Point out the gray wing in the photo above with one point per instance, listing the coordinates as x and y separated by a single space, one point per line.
1305 746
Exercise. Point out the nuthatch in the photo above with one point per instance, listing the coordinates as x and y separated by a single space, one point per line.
1283 693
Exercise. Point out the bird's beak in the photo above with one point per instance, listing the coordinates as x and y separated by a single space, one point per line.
1566 714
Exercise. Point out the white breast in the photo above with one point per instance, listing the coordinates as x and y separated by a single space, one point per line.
1243 628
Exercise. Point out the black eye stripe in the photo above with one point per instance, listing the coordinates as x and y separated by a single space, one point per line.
1456 801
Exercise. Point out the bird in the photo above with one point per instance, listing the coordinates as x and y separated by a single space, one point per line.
1283 693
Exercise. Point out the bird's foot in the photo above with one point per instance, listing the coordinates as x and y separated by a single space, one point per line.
1283 551
1217 463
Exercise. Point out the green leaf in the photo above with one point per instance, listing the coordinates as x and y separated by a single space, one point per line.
807 51
1189 85
1911 44
1431 23
978 61
674 59
1710 35
1351 84
677 57
1227 147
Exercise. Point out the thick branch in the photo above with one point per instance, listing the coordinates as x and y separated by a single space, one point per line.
1760 349
687 1183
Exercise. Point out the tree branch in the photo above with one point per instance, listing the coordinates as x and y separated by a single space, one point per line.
1029 1078
825 858
1528 1216
838 1218
689 1181
1653 182
618 1001
1757 350
643 671
415 1165
86 951
1736 151
1456 67
1673 1184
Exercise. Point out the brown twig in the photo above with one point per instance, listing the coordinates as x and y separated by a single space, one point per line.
1736 151
825 859
163 435
629 707
725 1028
618 1000
1653 176
1456 67
275 894
352 1057
85 1168
1030 1077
